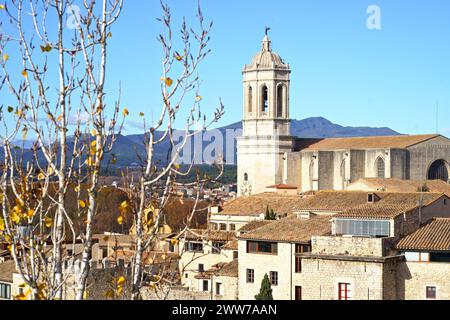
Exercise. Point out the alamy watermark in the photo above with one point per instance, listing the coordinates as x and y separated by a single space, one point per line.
374 18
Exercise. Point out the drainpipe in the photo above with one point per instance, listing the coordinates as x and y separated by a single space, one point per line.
290 275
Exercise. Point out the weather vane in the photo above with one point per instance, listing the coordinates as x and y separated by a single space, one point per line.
267 31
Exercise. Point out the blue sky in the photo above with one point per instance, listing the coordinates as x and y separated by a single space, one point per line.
342 71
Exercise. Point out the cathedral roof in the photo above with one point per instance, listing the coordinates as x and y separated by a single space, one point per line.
435 236
389 142
398 185
267 58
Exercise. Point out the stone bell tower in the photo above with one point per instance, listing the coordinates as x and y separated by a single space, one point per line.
266 142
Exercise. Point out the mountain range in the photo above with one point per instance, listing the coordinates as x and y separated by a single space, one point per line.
128 149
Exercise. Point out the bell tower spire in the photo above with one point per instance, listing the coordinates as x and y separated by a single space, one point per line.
266 125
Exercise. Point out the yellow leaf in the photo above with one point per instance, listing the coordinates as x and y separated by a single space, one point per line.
2 224
59 118
24 73
15 217
110 294
121 281
77 189
178 57
41 176
10 109
2 7
90 162
124 206
168 82
48 222
5 57
174 241
198 98
93 144
109 35
85 295
141 114
82 204
94 132
120 220
30 213
125 112
46 48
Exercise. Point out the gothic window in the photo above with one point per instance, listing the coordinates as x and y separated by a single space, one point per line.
246 177
265 99
438 171
250 99
381 168
280 101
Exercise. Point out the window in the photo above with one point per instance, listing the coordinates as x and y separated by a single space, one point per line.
186 275
363 228
298 293
194 247
217 247
274 278
205 285
302 248
344 291
431 292
214 226
246 177
280 100
5 291
265 99
232 227
381 168
262 247
104 253
218 288
250 276
250 99
371 198
298 265
201 268
223 227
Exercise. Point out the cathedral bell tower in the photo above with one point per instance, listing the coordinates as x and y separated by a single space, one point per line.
263 149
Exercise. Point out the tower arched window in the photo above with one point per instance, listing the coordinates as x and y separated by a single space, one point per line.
265 99
381 168
246 177
250 99
280 101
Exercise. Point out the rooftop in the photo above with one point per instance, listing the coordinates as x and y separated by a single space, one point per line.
398 185
6 271
291 229
210 235
390 205
359 143
434 236
256 205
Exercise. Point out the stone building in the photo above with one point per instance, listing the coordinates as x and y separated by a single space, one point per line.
351 245
269 155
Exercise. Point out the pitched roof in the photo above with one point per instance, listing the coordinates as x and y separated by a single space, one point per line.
388 142
7 269
390 205
254 225
221 269
435 236
291 229
231 245
398 185
210 235
283 187
256 205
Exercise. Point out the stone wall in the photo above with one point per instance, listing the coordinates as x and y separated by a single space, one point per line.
347 246
414 277
326 170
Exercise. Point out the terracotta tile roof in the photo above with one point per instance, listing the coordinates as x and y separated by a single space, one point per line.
390 205
388 142
435 236
211 235
254 225
221 269
334 201
291 229
256 205
283 187
7 269
398 185
231 245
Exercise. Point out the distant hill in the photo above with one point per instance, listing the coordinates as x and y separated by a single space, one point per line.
128 149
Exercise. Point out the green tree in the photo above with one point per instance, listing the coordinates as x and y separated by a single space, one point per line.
265 293
270 215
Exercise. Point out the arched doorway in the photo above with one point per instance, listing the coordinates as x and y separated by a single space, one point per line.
438 171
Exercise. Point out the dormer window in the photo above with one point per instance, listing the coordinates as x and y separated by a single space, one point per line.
372 198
